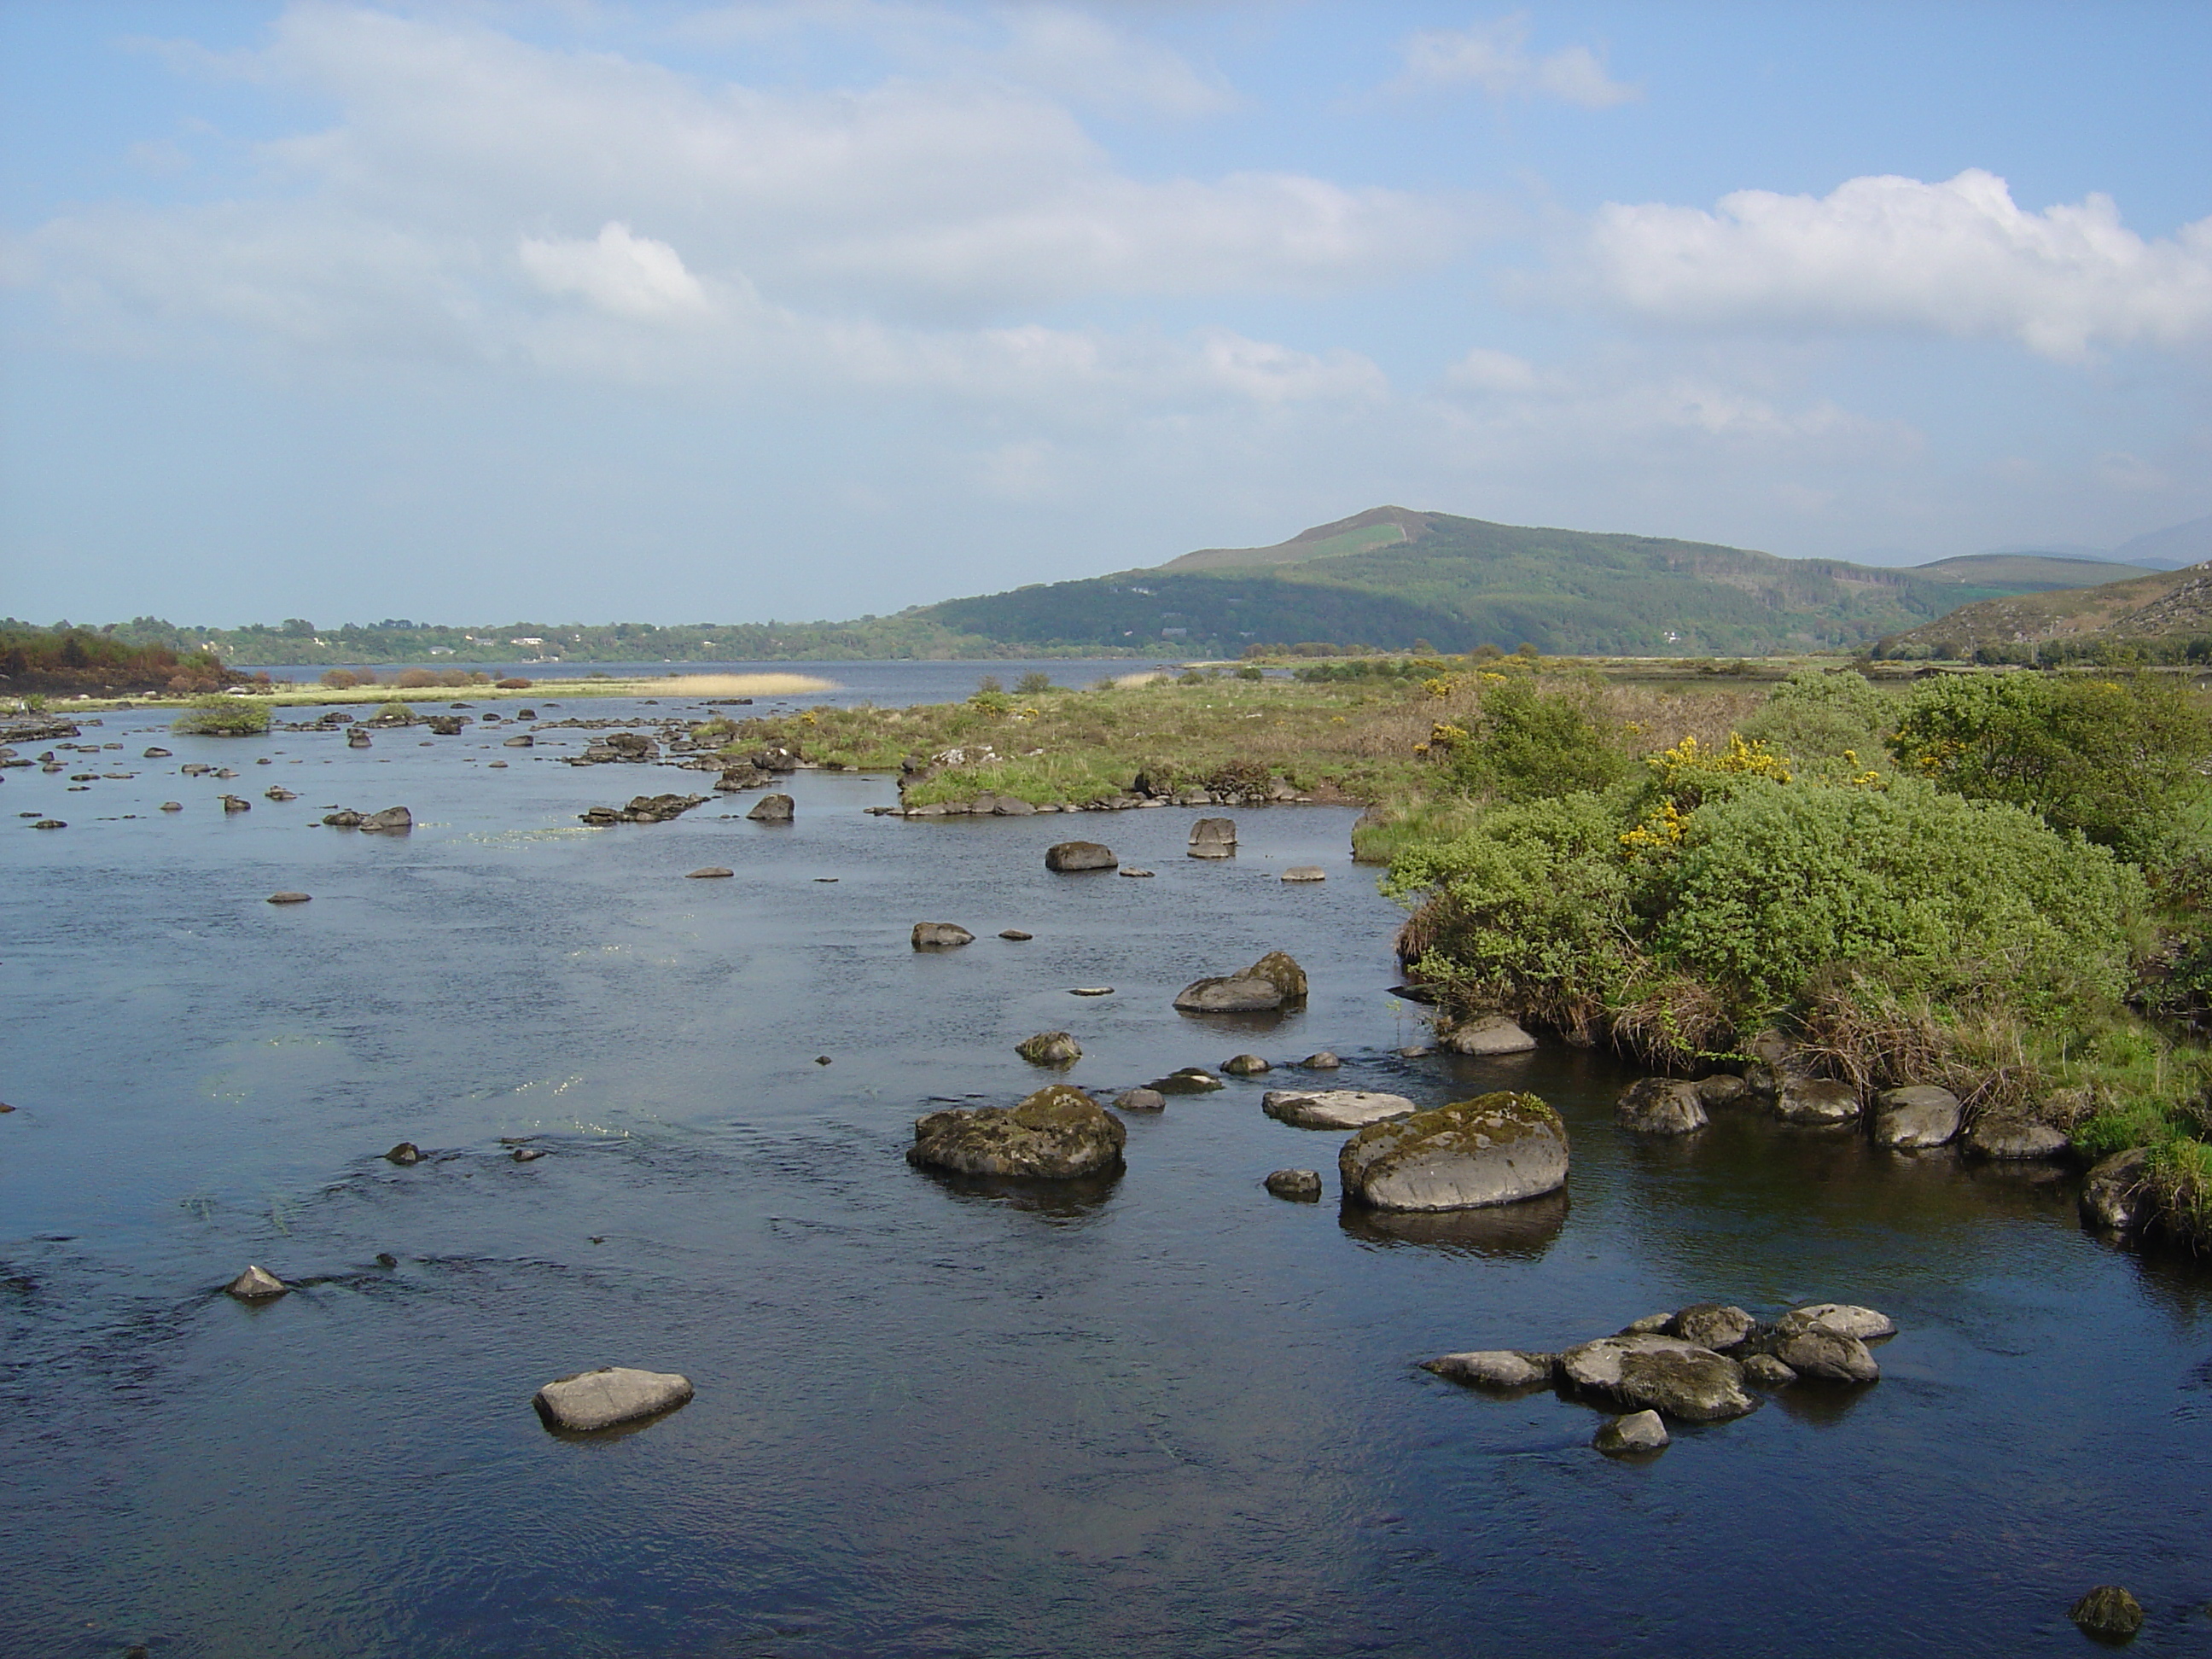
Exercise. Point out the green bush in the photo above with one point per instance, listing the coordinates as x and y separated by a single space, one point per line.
224 717
2116 760
1813 716
1535 745
1035 684
1777 882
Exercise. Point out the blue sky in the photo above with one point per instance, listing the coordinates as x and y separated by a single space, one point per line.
664 312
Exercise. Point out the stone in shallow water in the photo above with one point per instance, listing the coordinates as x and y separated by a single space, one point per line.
1140 1100
1844 1318
2108 1613
612 1395
1722 1089
939 935
1816 1101
710 873
1070 856
1245 1065
1332 1108
404 1154
1493 1368
1909 1118
1238 995
1495 1149
1490 1033
1057 1133
290 898
1829 1356
1306 872
2113 1195
256 1285
1767 1371
1016 934
1189 1080
1660 1106
1140 875
1660 1373
1712 1325
1638 1431
1213 838
1321 1060
2013 1139
773 809
1051 1048
1302 1186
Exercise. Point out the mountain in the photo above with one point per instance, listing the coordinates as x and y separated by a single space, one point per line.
2030 572
2173 548
1391 577
2172 606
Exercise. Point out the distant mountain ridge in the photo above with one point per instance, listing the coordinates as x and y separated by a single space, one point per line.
2164 607
1392 577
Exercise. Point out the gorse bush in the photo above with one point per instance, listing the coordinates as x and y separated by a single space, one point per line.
1529 744
1815 717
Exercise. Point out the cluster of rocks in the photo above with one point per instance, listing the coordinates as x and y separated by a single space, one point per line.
1781 1082
393 820
643 809
1143 792
1696 1364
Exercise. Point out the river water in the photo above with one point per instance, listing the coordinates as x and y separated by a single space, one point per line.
1171 1415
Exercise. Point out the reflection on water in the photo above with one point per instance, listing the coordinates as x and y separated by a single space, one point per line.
1168 1414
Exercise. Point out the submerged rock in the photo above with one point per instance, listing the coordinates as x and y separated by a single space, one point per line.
939 935
1302 1186
1494 1149
612 1395
1058 1134
710 873
1488 1034
1660 1373
1070 856
2113 1195
404 1154
1306 872
1322 1060
1660 1106
256 1285
290 898
1188 1080
1494 1368
1636 1432
1051 1048
1332 1108
1016 934
1245 1065
1140 1100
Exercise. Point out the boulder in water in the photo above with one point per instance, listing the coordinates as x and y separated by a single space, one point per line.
1238 995
773 809
1301 1186
1280 970
610 1396
1660 1373
1051 1048
1916 1116
1188 1080
1828 1355
1722 1089
1332 1108
1213 838
1058 1134
1306 872
1712 1325
1633 1432
393 820
1488 1034
1660 1106
404 1154
1140 1100
2014 1138
1245 1065
1068 857
1815 1100
256 1285
2113 1195
1494 1368
939 935
1494 1149
2107 1613
710 873
1322 1060
290 898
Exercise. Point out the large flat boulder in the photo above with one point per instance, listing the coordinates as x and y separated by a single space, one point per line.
2008 1137
610 1396
1495 1149
1816 1100
1332 1108
1058 1134
1487 1034
1665 1374
1494 1368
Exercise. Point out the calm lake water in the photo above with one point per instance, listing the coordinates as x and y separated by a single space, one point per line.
1172 1415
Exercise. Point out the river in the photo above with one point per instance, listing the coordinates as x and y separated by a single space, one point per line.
1172 1416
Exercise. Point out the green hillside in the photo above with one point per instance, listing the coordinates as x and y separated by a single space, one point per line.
2163 616
1391 577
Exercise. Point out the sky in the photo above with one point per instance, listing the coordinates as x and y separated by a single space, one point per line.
569 309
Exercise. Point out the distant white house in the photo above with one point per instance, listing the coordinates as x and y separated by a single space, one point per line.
532 641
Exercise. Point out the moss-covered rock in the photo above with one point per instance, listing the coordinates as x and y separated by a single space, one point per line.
1058 1134
1495 1149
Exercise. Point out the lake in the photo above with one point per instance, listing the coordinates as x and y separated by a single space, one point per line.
1168 1415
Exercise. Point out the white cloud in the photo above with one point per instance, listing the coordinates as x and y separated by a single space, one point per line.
629 276
1074 55
1494 55
1486 370
1957 257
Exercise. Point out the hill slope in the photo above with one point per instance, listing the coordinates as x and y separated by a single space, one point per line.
1391 577
2164 607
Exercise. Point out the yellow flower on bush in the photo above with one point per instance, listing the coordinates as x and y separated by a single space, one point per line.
1442 686
1444 735
1689 760
1661 832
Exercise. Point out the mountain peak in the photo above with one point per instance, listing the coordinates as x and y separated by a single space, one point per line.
1363 532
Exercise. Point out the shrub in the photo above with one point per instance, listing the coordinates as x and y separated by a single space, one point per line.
1814 716
1035 684
2115 759
1535 745
224 717
339 679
